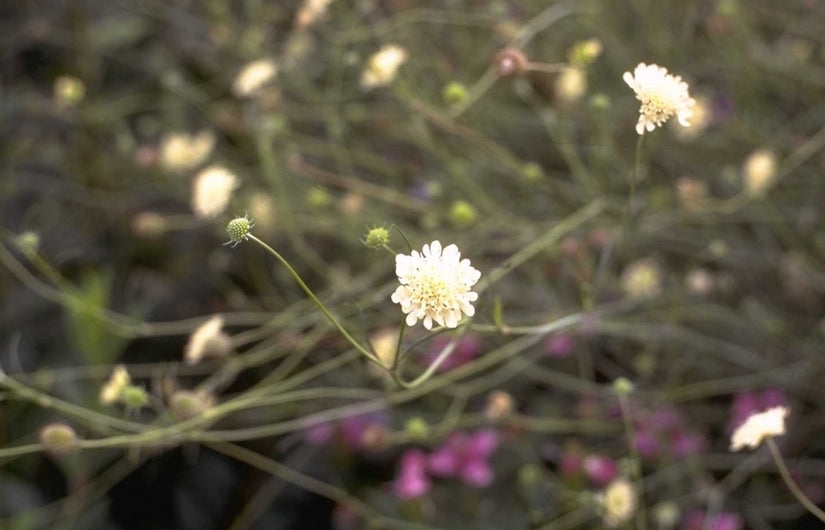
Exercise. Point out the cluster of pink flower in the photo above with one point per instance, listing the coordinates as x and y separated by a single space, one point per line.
363 432
463 455
600 470
698 520
662 432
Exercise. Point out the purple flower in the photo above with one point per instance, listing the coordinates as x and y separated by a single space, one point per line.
560 346
696 520
411 482
686 444
465 456
600 469
319 434
646 444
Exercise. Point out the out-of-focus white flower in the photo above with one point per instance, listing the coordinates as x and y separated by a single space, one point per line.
211 190
435 285
618 502
253 77
662 95
68 90
642 280
208 340
758 427
112 389
382 66
181 152
571 85
759 171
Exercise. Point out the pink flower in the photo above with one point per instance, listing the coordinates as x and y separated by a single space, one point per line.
560 346
411 482
646 444
696 520
600 470
465 456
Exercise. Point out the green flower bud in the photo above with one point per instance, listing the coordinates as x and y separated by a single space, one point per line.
377 237
417 429
599 102
623 386
318 198
28 242
238 229
454 93
58 439
463 214
134 397
532 172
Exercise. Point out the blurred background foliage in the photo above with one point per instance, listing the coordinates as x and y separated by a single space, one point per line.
707 287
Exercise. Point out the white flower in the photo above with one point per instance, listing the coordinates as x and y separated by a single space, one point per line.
435 285
758 427
383 66
662 95
618 502
208 340
759 171
180 152
211 191
253 77
110 392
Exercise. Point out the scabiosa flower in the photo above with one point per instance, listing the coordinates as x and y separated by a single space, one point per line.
253 77
208 340
435 285
383 66
758 427
662 95
619 502
112 390
181 151
211 191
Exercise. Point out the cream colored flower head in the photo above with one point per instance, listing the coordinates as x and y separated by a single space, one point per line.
211 190
182 152
435 285
662 95
208 340
383 66
759 171
642 280
618 502
758 427
252 77
111 391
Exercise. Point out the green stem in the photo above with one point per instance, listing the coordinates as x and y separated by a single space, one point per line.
633 179
786 476
641 515
318 302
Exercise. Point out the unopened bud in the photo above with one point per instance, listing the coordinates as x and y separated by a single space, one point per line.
58 439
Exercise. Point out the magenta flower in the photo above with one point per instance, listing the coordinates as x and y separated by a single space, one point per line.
560 346
600 470
696 520
465 456
412 482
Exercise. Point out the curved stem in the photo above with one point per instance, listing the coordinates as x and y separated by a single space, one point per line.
318 302
641 516
786 476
